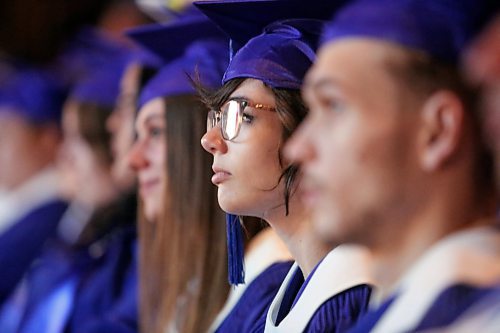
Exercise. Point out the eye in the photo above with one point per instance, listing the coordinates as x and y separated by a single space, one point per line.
247 118
156 131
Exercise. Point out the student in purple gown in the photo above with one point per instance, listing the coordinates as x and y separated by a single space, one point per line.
254 113
31 100
182 257
393 158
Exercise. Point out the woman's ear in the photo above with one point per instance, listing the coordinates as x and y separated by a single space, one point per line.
442 117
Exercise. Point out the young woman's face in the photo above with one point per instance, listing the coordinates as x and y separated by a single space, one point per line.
121 126
148 157
86 177
247 169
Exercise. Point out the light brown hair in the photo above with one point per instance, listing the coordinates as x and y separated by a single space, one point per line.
183 274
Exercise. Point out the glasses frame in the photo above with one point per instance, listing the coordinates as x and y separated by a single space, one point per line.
215 117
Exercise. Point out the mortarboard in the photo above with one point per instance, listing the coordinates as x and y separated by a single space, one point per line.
440 28
271 40
35 94
191 47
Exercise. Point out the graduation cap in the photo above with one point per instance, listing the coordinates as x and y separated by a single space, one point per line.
271 40
94 64
192 48
35 94
440 28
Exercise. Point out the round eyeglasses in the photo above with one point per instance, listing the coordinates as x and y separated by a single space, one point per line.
230 116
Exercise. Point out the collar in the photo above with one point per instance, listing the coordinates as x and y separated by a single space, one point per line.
344 267
470 256
34 192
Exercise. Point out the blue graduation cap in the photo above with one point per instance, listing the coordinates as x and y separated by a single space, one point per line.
440 28
35 94
271 40
94 65
191 47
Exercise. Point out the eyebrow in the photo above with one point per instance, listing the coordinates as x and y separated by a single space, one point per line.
321 83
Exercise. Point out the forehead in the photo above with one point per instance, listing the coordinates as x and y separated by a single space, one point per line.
355 62
153 110
254 90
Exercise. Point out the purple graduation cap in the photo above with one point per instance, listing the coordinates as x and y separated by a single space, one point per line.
440 28
273 41
35 94
94 65
192 48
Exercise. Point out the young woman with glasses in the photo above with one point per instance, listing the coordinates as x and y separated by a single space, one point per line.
254 113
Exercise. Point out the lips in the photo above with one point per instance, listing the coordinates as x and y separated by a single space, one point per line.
220 175
148 186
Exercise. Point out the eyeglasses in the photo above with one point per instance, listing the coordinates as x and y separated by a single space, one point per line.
230 116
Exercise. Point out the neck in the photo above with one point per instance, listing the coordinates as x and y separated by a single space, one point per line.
443 214
295 231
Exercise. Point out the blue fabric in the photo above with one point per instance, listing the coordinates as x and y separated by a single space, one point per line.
51 285
448 306
280 56
337 314
203 61
23 242
249 314
34 94
107 296
441 28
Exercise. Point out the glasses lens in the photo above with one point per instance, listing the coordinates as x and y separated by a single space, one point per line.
211 120
231 120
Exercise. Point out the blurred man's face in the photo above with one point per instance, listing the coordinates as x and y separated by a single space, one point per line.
482 64
19 150
355 145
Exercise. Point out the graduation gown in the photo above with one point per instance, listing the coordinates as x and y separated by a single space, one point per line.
452 276
332 298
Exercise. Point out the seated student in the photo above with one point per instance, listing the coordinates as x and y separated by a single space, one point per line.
182 257
90 262
393 158
256 110
30 111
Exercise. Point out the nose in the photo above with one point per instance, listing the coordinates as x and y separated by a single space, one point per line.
136 157
298 148
213 141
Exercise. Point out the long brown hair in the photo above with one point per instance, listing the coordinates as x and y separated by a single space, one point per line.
183 255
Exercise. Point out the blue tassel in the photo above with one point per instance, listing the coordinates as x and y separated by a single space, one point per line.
236 272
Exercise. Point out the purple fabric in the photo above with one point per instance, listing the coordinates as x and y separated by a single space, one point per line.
280 56
337 314
203 60
448 306
441 28
249 314
34 94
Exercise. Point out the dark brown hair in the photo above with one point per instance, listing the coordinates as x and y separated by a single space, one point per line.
290 110
183 255
92 127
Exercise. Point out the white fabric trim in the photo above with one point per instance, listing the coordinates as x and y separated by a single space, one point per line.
471 257
39 189
344 267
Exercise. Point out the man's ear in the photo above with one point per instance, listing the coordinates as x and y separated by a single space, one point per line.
442 117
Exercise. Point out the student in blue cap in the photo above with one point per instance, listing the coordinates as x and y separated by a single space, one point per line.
181 231
87 270
393 158
30 111
254 113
